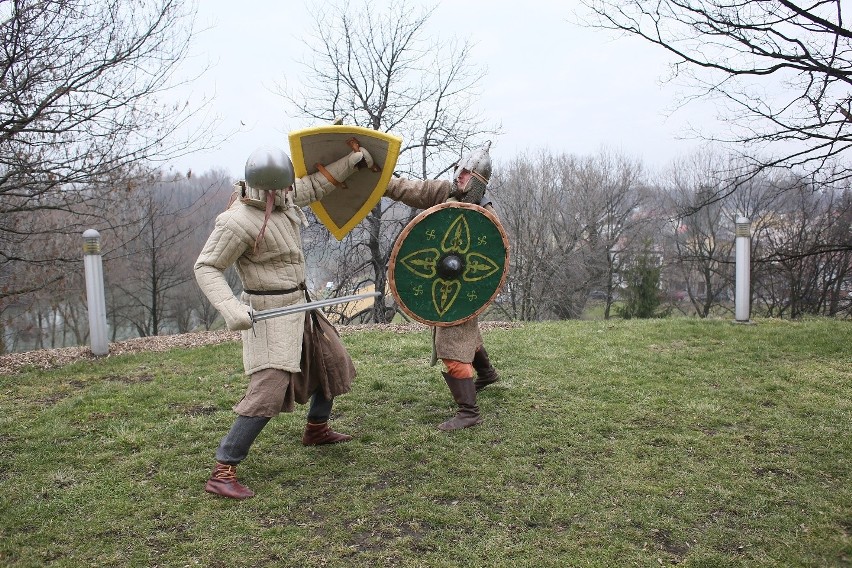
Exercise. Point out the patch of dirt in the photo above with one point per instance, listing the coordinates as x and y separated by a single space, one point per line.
664 539
53 358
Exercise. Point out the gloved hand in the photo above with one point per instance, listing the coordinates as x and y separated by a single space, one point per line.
236 315
364 161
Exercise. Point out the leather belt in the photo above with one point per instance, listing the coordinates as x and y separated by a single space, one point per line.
276 292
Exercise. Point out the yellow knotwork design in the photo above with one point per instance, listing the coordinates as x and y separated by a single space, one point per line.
422 262
444 294
478 266
457 237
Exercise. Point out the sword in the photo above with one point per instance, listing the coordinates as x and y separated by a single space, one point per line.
276 312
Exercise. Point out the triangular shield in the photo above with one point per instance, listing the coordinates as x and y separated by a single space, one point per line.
345 207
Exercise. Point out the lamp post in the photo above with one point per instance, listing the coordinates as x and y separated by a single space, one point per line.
743 273
95 297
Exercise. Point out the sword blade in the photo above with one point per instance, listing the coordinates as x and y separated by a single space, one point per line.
295 309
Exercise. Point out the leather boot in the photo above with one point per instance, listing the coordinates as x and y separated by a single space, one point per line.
223 481
485 372
464 393
319 434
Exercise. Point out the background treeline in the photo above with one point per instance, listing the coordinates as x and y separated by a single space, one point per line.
90 118
591 236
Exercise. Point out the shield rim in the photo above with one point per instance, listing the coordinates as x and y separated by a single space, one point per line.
405 232
297 155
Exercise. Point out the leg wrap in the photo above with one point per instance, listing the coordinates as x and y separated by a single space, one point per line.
234 447
464 393
320 407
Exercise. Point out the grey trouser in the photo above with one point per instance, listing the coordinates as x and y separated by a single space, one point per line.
234 447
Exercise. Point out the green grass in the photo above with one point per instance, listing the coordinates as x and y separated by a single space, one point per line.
638 443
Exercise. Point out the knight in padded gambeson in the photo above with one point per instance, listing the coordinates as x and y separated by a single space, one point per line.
260 235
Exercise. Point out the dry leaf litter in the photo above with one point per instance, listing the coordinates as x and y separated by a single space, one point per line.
52 358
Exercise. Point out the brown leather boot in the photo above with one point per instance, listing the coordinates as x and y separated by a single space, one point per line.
223 481
464 393
319 434
485 372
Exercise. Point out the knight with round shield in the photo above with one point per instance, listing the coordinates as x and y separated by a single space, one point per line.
446 268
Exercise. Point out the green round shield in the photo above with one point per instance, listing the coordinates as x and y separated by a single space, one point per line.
449 263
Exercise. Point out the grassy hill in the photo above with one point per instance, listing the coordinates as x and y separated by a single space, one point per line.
624 443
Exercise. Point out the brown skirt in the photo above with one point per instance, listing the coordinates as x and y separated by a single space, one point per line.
325 365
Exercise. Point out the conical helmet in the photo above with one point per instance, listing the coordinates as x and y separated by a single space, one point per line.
477 162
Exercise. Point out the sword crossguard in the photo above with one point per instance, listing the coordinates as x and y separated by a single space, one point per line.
251 317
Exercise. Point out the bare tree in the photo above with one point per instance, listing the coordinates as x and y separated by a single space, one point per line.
529 192
802 253
608 198
149 251
381 71
566 217
801 260
82 117
702 231
43 317
162 246
781 70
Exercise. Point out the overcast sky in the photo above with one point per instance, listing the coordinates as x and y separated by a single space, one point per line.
550 83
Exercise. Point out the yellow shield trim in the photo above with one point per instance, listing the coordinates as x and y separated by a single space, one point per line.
341 210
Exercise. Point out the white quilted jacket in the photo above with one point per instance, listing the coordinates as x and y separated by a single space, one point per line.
277 264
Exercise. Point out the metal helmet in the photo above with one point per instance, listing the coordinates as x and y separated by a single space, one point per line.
269 169
477 162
